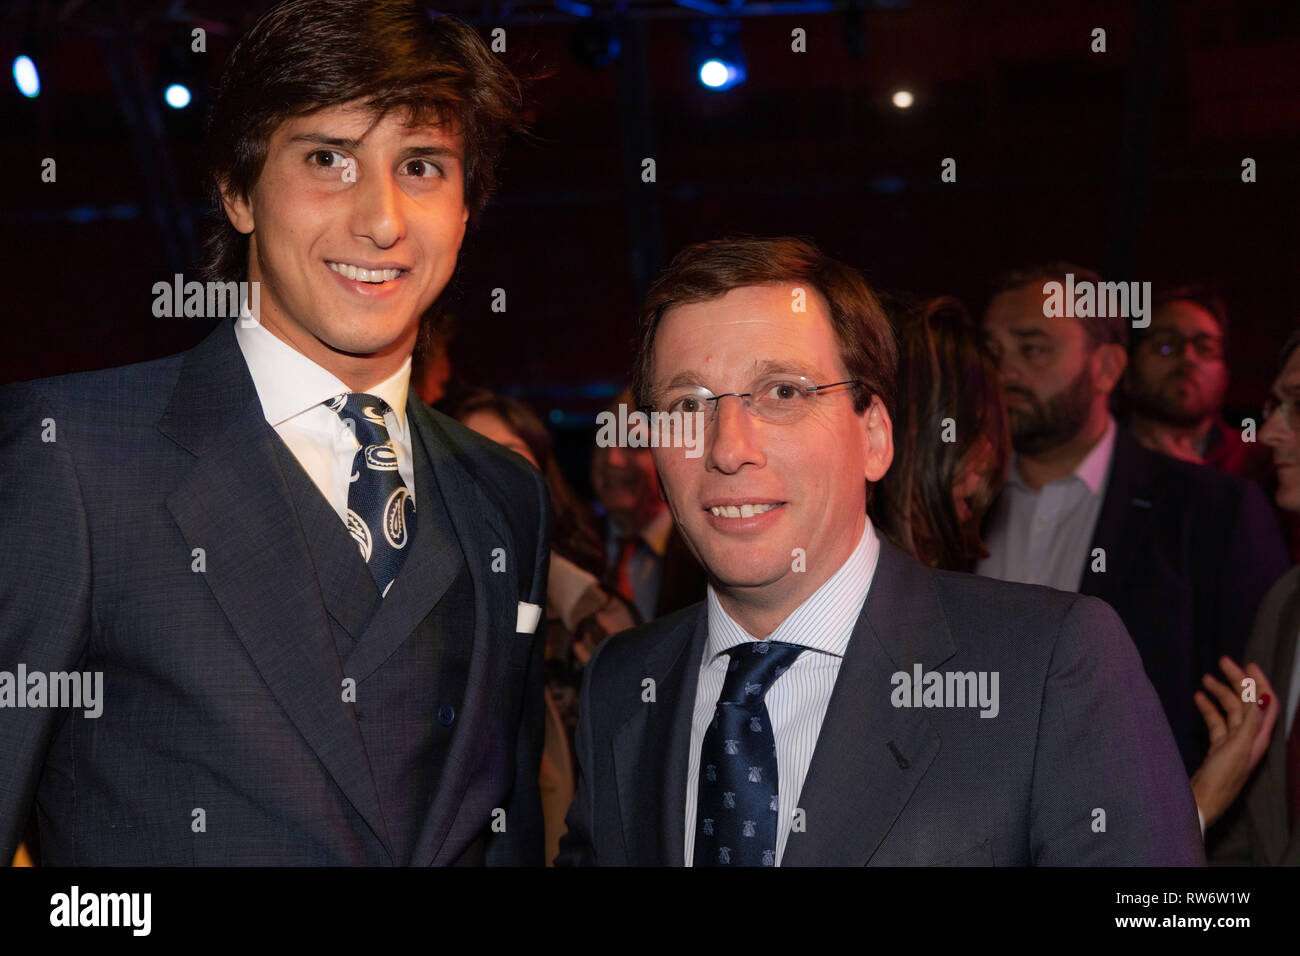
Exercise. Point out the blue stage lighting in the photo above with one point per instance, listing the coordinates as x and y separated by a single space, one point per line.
25 75
177 96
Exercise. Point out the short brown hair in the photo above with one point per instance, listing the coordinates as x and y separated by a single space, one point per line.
708 270
1101 330
305 55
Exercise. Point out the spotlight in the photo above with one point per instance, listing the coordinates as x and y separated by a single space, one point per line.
903 99
720 63
177 96
26 77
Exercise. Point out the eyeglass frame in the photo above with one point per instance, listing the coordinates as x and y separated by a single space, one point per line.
1148 341
777 378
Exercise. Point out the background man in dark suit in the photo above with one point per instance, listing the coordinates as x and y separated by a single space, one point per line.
1263 828
647 562
783 721
1182 552
297 666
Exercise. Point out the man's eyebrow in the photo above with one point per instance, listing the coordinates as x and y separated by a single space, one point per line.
443 152
348 143
758 369
320 139
1029 333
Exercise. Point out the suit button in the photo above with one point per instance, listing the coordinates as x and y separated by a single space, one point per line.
446 715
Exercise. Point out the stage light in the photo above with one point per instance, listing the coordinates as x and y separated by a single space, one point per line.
177 96
903 99
720 61
26 77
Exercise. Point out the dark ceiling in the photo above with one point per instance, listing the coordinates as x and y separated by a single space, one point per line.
1129 160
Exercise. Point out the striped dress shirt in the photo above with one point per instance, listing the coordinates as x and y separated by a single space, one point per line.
796 702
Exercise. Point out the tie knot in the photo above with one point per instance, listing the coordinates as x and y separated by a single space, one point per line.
754 667
365 412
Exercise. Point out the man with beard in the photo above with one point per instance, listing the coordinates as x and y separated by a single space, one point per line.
1183 553
1177 377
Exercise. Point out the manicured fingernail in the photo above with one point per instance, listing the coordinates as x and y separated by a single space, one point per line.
1263 701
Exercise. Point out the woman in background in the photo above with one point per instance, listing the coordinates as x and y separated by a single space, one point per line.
951 440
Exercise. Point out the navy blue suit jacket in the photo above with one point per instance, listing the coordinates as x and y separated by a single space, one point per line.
1078 766
221 681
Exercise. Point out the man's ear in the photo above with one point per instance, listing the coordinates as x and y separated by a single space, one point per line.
238 209
1108 364
880 439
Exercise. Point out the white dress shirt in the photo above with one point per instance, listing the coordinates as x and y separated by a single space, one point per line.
796 701
1045 536
291 388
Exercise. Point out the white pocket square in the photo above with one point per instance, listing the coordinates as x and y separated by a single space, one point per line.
529 615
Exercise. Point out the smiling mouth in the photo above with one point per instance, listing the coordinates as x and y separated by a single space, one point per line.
372 276
741 511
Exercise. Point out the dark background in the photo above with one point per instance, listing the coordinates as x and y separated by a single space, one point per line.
1127 161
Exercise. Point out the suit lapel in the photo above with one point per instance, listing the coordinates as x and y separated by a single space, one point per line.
1267 799
1126 511
478 531
235 505
652 749
871 755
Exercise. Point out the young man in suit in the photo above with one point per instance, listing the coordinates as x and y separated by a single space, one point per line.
1183 553
834 701
311 600
1263 828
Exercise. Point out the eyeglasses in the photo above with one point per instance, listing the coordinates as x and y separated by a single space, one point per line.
1208 347
1288 406
777 399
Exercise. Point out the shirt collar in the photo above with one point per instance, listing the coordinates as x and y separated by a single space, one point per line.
824 622
288 383
1091 471
655 534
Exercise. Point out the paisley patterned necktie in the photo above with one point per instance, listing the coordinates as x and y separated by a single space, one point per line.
735 819
381 512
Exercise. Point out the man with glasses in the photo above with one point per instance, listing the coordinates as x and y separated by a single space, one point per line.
1183 553
834 701
1177 377
1263 828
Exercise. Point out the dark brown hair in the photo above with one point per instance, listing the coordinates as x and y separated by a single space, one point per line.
573 531
305 55
709 270
945 372
1101 330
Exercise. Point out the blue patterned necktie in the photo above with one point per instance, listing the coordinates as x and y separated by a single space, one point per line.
381 512
735 816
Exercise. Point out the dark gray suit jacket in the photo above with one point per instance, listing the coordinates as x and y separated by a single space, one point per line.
1079 731
1254 831
222 684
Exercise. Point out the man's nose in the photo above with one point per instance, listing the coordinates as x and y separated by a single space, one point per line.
735 436
1274 432
377 209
